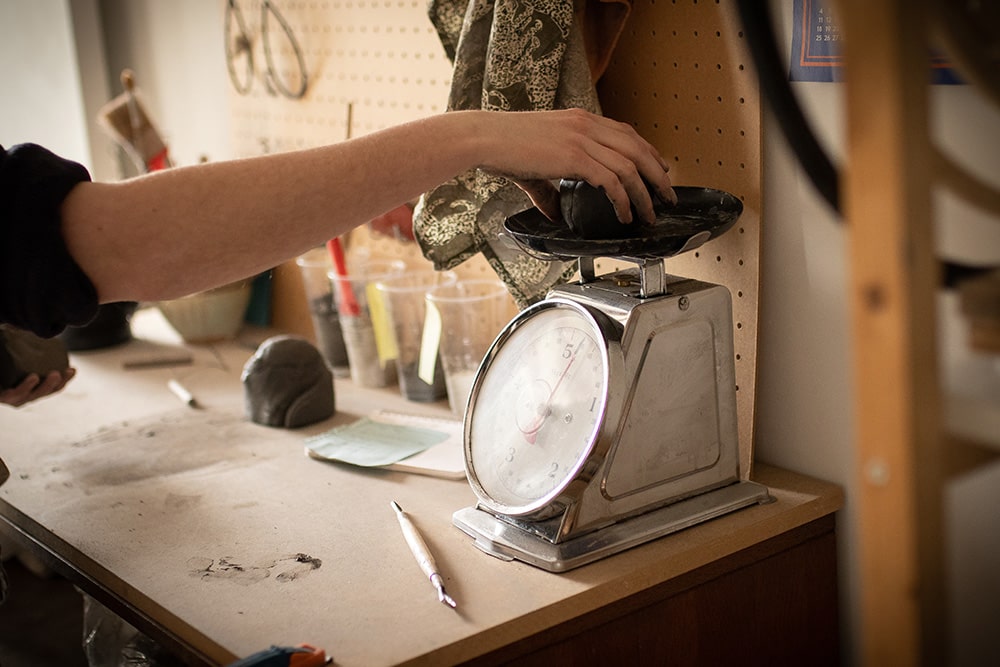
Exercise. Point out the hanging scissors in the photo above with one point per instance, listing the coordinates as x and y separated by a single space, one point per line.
242 44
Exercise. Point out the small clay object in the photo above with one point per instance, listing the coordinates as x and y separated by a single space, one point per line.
287 384
23 353
588 212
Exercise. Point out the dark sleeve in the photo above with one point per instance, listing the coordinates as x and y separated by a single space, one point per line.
42 289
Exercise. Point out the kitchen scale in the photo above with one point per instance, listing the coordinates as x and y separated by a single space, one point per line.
604 416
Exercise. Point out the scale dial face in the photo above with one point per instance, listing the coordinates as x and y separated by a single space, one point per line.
537 407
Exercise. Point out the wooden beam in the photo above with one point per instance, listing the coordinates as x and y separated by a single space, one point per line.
893 287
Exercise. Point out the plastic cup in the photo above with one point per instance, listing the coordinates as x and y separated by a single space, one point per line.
352 295
472 313
404 298
315 266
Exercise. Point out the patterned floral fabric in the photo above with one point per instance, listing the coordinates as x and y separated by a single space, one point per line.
508 55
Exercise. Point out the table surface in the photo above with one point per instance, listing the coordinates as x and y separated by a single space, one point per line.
228 537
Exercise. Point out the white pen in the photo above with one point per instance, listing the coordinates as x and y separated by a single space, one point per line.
182 393
422 554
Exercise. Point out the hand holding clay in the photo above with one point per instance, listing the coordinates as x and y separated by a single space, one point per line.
31 367
590 213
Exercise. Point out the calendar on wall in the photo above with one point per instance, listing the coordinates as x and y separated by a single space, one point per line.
817 43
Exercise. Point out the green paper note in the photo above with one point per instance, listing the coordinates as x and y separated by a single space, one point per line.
370 443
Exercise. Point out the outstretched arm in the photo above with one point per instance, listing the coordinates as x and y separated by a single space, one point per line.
178 231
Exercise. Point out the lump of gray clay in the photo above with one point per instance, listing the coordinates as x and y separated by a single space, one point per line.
23 353
286 383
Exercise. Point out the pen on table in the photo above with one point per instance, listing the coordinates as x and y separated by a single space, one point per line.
182 393
422 554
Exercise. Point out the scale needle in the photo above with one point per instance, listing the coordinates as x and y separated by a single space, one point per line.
422 554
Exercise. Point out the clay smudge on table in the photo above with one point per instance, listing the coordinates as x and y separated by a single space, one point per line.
134 451
285 568
227 568
303 564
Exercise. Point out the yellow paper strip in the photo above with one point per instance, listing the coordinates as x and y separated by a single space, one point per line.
429 342
385 343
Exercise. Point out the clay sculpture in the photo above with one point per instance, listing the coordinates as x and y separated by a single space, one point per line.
287 384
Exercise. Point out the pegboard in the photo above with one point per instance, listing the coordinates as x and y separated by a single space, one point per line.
681 75
370 64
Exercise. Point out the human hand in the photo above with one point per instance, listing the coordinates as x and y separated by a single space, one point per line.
536 147
33 387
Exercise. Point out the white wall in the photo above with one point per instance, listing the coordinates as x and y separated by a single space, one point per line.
43 90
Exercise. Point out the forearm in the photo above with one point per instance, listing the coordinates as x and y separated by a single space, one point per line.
182 230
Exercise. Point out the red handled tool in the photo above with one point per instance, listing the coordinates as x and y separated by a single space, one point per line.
347 301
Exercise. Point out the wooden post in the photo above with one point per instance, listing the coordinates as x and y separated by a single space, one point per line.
893 293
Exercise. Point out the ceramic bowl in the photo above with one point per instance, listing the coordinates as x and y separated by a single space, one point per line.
208 316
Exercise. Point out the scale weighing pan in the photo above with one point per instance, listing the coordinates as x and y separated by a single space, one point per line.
701 214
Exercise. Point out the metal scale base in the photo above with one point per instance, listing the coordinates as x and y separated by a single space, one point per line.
507 541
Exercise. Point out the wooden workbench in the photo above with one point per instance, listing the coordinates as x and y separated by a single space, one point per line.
219 538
